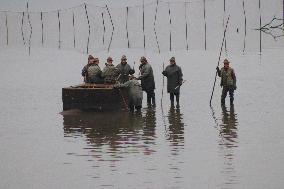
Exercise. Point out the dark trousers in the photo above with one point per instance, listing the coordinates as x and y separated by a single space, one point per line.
151 97
172 95
225 90
131 107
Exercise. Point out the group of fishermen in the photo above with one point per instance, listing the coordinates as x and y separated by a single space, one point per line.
121 76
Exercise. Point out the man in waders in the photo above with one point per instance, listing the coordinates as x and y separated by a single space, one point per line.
135 93
124 70
174 80
147 80
228 81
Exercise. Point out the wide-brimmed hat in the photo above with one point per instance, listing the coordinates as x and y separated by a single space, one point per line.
226 61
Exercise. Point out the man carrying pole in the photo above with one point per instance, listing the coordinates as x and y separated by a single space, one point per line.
147 81
174 80
228 81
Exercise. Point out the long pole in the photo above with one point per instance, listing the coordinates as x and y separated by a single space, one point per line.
224 36
163 83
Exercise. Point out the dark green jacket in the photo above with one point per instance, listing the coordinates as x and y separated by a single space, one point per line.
124 71
147 77
94 74
174 78
228 77
109 73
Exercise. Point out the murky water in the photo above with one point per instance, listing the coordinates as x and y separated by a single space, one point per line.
194 146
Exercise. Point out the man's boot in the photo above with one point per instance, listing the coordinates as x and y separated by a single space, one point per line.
177 99
154 101
222 101
172 99
148 100
232 101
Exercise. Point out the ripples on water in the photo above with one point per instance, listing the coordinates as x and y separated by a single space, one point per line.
113 135
227 125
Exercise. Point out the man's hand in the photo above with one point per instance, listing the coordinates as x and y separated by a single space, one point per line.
164 72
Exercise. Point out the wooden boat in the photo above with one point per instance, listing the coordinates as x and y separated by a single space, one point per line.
94 97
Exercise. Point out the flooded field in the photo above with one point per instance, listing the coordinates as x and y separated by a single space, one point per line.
194 146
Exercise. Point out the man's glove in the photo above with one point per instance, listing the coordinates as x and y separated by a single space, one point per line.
164 72
217 68
235 87
131 71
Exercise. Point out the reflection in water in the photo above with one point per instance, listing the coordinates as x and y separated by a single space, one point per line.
229 126
176 129
110 136
149 129
228 135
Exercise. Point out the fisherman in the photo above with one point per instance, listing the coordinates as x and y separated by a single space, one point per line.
147 80
85 68
174 80
109 72
228 81
124 70
94 72
134 92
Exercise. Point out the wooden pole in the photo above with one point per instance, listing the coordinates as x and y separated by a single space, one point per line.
74 36
170 20
245 22
260 37
224 36
31 28
163 83
59 28
41 19
126 27
143 16
155 21
104 28
205 29
89 27
112 28
7 30
22 26
186 25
